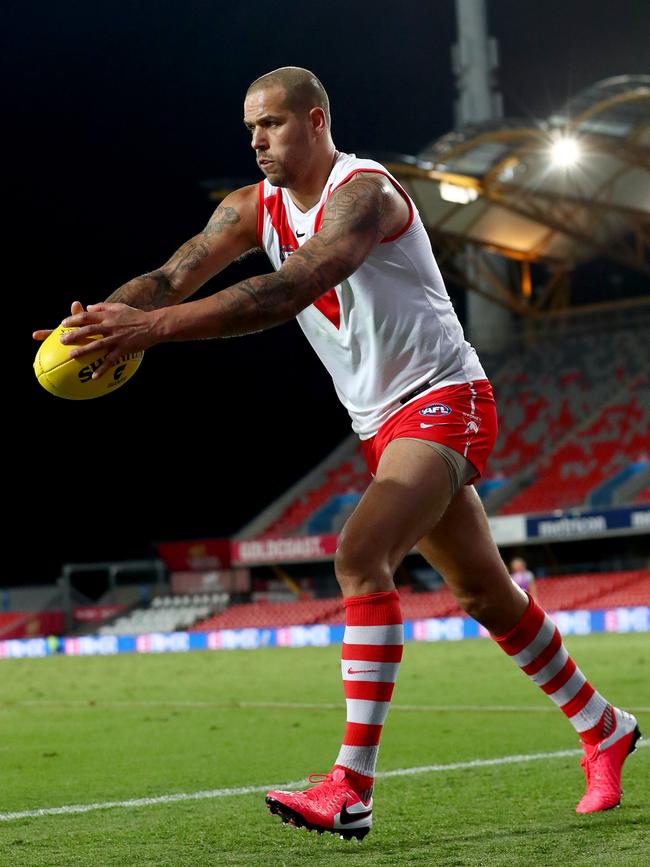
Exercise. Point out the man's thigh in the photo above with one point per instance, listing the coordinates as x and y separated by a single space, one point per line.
404 501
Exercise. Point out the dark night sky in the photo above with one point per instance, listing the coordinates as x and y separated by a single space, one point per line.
115 112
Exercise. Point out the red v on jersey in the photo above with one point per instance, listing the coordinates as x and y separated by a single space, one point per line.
328 304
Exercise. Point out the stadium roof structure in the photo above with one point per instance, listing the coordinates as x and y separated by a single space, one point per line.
557 192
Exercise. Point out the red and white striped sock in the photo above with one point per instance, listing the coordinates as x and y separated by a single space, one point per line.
535 644
372 651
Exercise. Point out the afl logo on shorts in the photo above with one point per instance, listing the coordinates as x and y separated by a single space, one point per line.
436 409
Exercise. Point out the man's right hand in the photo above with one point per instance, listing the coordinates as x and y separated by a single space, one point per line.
42 334
230 232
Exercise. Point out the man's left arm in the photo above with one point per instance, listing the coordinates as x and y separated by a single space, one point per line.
357 217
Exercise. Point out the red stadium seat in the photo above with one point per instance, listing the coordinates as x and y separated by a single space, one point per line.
566 477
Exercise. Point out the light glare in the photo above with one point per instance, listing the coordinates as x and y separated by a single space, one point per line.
458 195
565 152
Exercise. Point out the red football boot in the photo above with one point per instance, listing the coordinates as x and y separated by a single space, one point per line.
603 763
331 805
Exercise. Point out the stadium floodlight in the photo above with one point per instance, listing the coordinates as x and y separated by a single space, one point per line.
457 194
565 152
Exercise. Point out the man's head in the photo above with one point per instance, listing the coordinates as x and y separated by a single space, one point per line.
518 565
302 90
287 113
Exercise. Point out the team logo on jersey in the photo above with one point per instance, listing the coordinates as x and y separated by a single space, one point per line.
436 409
286 250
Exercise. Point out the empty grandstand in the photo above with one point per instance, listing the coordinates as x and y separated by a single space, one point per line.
211 612
569 592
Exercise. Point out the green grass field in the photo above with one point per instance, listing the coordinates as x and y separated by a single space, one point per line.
78 731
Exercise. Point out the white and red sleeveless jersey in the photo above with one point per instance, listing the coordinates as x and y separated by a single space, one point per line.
390 327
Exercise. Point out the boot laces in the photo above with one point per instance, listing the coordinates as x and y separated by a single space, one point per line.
319 778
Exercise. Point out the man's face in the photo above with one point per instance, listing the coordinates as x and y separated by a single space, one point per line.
281 139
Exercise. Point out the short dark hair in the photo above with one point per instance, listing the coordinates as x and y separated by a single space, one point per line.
303 90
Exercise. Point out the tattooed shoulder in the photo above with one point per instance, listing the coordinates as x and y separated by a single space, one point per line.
360 204
220 220
367 203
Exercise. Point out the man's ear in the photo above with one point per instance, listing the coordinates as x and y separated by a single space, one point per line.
318 121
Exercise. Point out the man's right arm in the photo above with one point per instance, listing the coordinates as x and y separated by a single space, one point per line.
230 232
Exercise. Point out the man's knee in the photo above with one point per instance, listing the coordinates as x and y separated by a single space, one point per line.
360 569
354 563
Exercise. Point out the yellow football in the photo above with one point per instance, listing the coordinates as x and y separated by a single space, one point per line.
72 377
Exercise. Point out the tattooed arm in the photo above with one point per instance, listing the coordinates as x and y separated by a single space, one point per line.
357 217
230 232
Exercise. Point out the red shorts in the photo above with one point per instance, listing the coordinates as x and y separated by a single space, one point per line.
462 417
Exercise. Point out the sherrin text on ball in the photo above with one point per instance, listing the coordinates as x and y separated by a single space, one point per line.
72 378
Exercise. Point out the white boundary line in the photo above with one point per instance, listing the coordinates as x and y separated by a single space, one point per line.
290 705
247 790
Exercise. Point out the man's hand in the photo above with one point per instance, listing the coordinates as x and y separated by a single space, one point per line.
43 334
230 232
123 330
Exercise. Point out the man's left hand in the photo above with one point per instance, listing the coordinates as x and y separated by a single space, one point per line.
123 330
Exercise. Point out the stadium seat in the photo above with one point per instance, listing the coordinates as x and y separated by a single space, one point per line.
567 476
573 410
166 614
